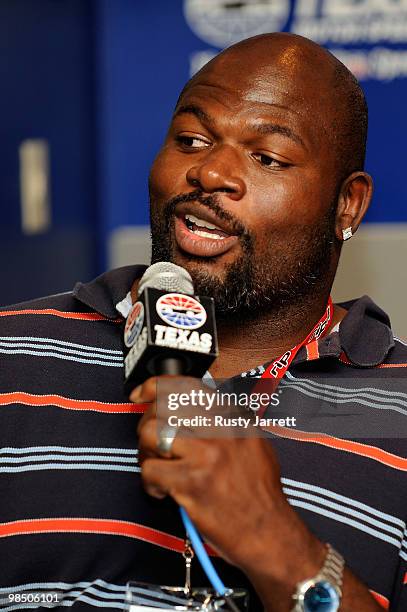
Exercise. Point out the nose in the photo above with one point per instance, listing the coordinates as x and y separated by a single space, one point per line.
218 171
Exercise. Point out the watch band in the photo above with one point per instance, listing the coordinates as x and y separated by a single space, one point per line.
331 572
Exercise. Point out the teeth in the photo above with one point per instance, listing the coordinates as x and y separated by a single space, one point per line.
207 235
200 222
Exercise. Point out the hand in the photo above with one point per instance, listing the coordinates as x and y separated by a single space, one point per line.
231 489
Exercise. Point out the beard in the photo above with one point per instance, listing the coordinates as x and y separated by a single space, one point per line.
267 276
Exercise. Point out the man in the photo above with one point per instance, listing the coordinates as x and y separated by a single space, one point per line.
259 181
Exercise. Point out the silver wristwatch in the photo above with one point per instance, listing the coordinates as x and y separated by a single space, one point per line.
324 591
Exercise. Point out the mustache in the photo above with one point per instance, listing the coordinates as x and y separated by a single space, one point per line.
212 203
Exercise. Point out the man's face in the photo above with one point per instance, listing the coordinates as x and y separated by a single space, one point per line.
243 190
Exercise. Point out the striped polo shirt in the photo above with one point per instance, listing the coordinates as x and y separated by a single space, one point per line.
74 518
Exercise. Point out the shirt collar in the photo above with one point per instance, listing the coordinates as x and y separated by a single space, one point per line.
364 336
108 289
365 333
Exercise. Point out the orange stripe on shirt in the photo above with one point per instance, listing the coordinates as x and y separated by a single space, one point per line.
83 316
97 527
312 350
94 526
28 399
349 446
381 599
405 578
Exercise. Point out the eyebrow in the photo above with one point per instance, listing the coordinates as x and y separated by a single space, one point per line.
261 128
192 109
275 128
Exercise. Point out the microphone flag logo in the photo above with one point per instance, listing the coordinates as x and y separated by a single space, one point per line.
134 324
182 311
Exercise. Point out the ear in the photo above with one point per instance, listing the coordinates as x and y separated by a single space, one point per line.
354 199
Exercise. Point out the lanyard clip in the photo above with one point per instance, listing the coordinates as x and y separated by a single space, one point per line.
188 555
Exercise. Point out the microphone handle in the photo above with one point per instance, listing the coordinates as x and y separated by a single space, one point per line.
172 366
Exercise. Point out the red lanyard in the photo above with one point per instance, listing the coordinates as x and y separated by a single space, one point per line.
279 367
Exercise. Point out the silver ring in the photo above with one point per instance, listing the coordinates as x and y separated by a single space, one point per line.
166 438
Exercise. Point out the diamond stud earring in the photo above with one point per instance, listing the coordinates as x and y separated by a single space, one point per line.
347 233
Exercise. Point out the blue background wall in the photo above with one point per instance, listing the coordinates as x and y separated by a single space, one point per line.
98 79
46 72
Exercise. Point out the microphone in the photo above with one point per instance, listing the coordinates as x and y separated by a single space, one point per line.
169 330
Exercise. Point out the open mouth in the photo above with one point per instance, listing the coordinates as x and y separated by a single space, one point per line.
199 236
202 228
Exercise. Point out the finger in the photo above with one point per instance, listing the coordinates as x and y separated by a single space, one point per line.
184 443
146 392
150 413
150 436
161 478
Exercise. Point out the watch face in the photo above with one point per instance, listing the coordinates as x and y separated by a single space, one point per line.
322 597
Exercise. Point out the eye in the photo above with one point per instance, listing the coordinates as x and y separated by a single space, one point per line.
191 142
269 162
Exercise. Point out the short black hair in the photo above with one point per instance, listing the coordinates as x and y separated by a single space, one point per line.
351 122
